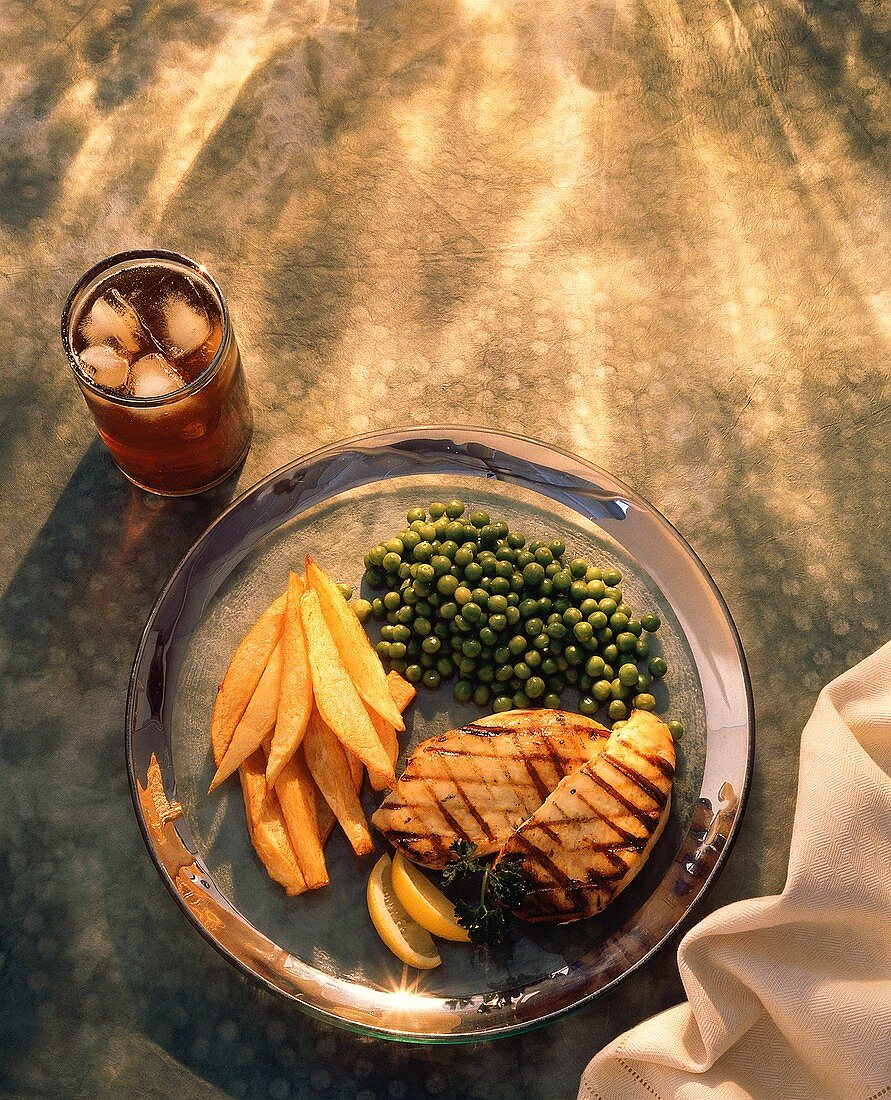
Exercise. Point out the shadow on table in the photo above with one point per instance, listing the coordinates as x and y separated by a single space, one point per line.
70 620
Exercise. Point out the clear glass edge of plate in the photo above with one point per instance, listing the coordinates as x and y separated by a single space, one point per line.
503 1021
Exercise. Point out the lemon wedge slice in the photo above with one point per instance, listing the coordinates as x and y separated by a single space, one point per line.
425 903
405 938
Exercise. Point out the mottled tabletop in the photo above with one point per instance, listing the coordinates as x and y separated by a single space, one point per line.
653 233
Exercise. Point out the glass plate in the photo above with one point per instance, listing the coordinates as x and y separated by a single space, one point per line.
320 949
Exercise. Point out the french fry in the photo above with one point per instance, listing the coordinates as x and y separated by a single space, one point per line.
336 696
324 816
401 691
257 722
243 675
327 762
297 797
357 769
352 643
295 697
266 826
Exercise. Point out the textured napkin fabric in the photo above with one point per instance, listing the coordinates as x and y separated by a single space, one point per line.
790 996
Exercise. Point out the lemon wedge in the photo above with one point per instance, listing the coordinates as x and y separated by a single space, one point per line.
405 938
424 903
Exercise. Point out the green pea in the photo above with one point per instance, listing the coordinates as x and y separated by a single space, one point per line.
650 622
401 633
583 632
421 626
513 616
641 649
594 666
534 625
504 553
515 540
397 650
487 634
610 654
657 667
409 596
362 609
588 705
498 623
609 673
574 654
535 687
436 510
522 670
467 665
586 682
455 508
382 648
595 590
617 710
375 578
616 726
463 556
625 642
676 729
504 673
447 585
628 675
471 612
391 618
625 610
606 605
500 586
486 673
557 547
462 595
544 556
410 540
391 562
598 620
497 605
416 514
423 551
614 594
448 610
578 567
501 655
377 608
473 573
562 580
489 534
470 647
392 601
643 684
644 701
533 574
634 628
424 608
578 591
502 703
431 644
601 690
551 701
520 700
612 577
593 573
479 519
618 622
571 617
556 630
445 668
517 645
618 690
413 673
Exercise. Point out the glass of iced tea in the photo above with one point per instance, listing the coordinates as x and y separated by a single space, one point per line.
148 336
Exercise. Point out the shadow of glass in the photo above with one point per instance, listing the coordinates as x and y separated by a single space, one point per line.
72 857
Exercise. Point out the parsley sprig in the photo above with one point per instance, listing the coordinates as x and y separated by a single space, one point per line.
504 884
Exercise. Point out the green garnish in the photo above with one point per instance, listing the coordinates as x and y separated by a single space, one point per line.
504 883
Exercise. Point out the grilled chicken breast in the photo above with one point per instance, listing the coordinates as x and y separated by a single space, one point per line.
594 832
480 782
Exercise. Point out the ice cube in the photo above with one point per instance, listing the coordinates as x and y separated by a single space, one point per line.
107 366
187 327
113 319
153 376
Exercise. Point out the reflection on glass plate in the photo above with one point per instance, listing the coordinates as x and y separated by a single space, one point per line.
320 948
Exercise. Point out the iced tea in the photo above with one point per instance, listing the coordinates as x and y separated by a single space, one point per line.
149 338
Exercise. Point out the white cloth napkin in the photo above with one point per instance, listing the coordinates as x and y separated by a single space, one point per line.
790 996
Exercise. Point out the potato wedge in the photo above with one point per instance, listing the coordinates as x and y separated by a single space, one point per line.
327 762
401 691
257 722
297 798
356 652
336 697
386 733
243 675
295 696
266 826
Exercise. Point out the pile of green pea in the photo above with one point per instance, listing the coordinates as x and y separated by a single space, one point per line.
466 597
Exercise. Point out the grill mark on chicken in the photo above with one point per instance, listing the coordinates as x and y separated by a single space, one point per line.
595 813
639 780
643 816
471 809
